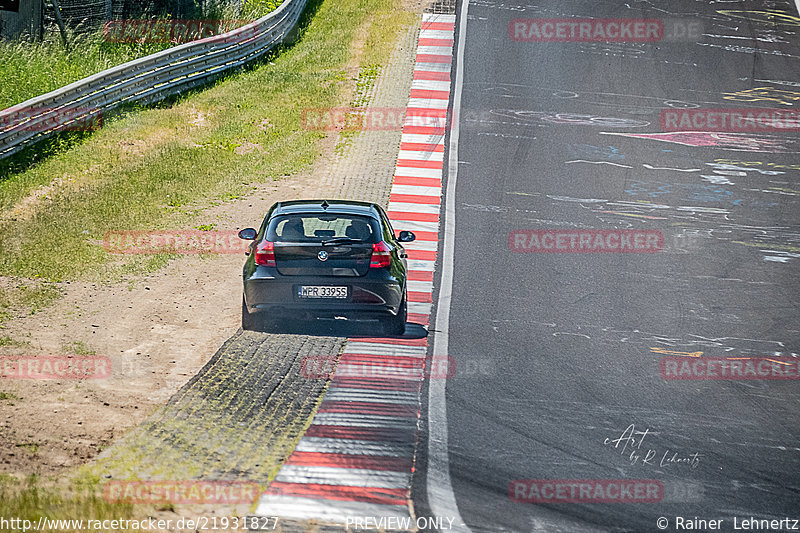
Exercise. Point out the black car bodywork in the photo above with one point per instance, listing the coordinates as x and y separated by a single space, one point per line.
325 259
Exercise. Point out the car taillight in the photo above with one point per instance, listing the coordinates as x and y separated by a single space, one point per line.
265 254
381 258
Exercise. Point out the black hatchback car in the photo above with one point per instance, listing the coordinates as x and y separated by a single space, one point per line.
327 259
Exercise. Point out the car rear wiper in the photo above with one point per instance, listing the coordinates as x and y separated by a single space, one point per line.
342 240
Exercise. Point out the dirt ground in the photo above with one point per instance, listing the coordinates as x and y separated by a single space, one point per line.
158 330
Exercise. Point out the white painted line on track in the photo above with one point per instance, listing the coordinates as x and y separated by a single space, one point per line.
441 499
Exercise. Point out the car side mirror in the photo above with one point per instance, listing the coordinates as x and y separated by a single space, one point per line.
406 236
248 234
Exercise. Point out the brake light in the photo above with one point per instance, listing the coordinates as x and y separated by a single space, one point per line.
381 258
265 254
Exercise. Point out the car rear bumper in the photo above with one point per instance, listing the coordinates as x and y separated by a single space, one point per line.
374 295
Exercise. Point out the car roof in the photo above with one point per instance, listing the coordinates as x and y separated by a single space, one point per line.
350 207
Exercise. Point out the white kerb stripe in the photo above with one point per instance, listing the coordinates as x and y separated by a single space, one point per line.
354 447
352 477
430 85
438 17
419 286
420 156
371 395
407 207
367 421
421 265
432 67
430 246
435 50
414 172
424 118
419 307
379 348
435 34
416 189
413 225
331 511
428 103
427 138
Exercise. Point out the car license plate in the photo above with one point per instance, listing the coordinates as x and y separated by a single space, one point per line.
321 291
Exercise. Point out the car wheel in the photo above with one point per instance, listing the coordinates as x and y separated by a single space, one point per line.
249 320
396 325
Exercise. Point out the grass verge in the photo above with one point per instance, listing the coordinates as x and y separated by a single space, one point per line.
32 69
28 500
157 168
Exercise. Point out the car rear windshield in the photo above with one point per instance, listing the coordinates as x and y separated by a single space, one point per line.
322 227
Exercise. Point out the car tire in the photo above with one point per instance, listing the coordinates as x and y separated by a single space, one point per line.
249 320
396 325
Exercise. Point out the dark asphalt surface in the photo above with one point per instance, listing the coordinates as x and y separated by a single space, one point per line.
560 352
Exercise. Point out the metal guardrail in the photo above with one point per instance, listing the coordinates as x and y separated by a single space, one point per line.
143 80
